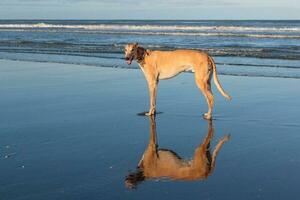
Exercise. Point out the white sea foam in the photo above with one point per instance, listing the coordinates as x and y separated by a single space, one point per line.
155 27
207 34
166 30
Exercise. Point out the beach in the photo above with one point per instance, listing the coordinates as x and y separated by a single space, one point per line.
72 132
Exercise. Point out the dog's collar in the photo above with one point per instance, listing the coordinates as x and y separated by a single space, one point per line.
141 53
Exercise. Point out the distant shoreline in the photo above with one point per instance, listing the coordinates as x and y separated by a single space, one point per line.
282 20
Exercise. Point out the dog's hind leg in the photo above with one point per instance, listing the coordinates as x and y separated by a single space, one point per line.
203 82
205 145
202 155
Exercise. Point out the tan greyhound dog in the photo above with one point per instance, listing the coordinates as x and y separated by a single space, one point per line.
157 65
163 163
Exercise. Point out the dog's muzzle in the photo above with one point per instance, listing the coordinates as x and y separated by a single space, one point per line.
129 60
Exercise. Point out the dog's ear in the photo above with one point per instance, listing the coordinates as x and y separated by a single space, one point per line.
134 178
136 44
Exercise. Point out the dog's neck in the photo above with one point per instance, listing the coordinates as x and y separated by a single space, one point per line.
141 53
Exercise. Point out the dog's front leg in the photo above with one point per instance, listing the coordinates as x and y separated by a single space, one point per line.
152 93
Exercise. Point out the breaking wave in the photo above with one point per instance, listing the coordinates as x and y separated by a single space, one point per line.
153 27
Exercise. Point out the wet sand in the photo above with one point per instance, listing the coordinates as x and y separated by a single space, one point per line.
72 132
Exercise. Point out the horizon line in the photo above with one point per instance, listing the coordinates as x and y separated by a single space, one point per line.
157 19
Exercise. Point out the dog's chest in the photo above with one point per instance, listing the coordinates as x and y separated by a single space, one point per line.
142 68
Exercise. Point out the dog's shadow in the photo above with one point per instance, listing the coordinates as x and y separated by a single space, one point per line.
144 113
164 163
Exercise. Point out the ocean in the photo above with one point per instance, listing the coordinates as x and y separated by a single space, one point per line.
241 48
72 132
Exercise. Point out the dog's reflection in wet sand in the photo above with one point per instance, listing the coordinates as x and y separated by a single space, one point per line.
163 163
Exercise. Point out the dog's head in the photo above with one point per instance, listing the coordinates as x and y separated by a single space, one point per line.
134 178
131 52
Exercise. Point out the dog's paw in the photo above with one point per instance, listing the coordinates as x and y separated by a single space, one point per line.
207 116
145 113
149 113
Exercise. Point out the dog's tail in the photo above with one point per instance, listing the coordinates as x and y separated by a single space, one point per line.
216 80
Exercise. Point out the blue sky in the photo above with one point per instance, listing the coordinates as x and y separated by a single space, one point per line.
151 9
